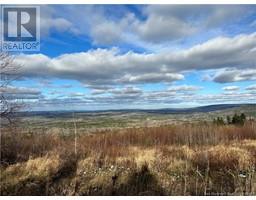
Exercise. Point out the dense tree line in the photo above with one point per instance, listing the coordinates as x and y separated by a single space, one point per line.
236 120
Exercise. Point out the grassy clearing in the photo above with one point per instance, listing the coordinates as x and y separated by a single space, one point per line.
188 159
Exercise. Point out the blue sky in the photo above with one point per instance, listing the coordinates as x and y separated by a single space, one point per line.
139 56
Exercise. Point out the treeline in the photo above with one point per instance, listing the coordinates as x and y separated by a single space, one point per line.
236 120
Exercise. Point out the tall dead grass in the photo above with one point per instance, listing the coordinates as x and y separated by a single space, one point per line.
17 147
188 159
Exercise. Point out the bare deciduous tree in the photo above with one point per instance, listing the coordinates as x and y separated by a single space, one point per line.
8 72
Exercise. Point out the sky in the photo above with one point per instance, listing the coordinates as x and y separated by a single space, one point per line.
97 57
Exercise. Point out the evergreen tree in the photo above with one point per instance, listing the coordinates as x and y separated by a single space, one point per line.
239 119
235 119
229 120
219 121
243 117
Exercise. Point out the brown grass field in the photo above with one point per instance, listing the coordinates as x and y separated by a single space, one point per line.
186 159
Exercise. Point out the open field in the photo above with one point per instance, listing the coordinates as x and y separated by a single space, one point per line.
189 158
89 121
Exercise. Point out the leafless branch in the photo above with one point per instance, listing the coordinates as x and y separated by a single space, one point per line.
9 72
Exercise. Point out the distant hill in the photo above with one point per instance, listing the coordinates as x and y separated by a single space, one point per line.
209 108
201 109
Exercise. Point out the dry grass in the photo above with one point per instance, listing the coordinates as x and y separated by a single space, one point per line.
189 159
16 176
222 157
40 167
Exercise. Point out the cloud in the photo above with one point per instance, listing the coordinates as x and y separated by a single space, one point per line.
152 78
98 92
49 22
251 87
133 97
76 94
154 24
106 33
109 66
238 97
231 88
209 14
165 23
49 84
173 22
165 29
21 93
96 22
128 91
184 88
98 87
221 15
135 94
235 76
